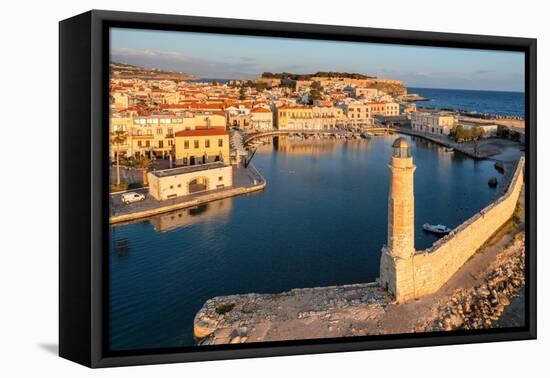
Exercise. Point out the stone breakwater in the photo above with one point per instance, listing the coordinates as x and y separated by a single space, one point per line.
481 306
366 309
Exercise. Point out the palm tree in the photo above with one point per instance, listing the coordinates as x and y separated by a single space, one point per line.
145 163
118 138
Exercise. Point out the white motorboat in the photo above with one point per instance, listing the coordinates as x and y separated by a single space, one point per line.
437 228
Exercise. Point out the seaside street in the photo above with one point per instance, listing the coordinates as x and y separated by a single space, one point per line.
244 180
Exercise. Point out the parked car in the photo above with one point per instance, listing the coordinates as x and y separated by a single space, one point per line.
131 197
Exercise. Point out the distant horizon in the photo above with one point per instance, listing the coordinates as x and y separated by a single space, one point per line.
242 57
259 74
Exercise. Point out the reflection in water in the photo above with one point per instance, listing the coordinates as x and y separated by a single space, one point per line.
321 220
122 247
185 217
303 147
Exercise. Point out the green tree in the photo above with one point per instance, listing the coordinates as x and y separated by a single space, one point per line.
118 138
477 133
242 93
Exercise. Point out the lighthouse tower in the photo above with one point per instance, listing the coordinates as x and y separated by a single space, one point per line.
396 265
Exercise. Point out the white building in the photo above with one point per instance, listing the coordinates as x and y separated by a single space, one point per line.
176 182
439 123
489 129
261 119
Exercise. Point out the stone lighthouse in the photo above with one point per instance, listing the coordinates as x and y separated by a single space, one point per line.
396 265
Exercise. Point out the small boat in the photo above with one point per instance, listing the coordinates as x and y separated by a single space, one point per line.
449 149
436 229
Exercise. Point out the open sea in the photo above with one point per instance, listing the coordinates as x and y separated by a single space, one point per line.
492 102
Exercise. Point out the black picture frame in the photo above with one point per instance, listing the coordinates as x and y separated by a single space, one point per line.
83 182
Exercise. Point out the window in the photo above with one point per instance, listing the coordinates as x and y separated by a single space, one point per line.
179 185
139 143
220 142
171 186
220 178
186 144
161 144
149 132
159 131
147 144
196 144
207 143
170 142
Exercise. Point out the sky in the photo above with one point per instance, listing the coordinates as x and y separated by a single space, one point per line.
246 57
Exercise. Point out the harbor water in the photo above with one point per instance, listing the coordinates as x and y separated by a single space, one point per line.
321 220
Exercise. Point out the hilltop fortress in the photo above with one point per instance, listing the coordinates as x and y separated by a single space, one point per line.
333 79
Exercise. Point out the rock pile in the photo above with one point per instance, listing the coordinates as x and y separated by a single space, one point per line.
482 305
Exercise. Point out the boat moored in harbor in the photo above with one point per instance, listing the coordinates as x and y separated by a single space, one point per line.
436 229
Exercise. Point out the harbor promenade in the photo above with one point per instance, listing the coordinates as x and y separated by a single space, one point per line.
245 180
490 148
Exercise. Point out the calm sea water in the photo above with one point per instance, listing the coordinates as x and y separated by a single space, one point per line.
492 102
320 221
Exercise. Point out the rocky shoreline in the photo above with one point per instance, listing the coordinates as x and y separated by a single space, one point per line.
480 307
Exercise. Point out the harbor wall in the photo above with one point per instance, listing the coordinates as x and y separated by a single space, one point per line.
427 270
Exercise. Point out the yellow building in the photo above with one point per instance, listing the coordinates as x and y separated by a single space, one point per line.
294 117
202 145
154 135
122 125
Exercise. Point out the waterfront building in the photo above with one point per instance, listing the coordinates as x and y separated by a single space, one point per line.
176 182
489 129
309 117
385 109
153 135
261 119
328 117
202 145
433 122
358 113
290 117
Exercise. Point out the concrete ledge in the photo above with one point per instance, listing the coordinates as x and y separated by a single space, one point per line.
207 197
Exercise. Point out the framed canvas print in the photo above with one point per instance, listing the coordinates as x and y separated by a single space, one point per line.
236 188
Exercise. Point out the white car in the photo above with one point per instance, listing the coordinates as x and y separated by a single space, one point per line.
131 197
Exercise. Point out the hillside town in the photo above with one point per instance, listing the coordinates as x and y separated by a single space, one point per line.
176 129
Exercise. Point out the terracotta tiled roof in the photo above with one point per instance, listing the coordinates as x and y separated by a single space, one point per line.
260 110
202 132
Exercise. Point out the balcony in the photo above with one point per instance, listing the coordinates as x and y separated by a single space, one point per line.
143 136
